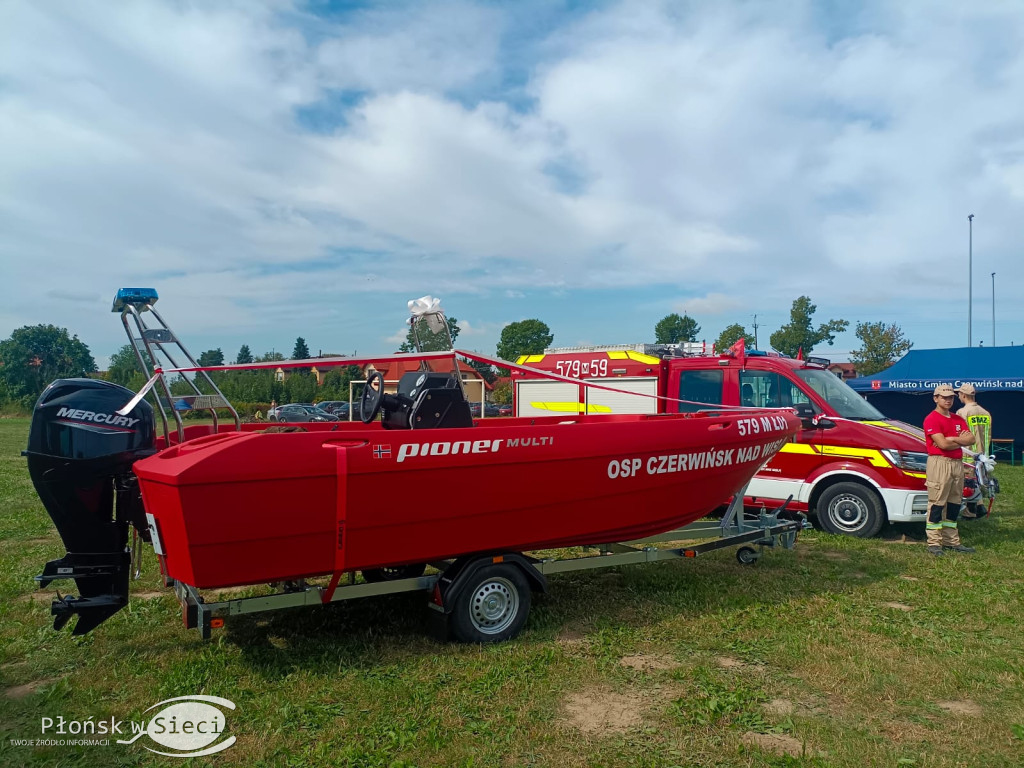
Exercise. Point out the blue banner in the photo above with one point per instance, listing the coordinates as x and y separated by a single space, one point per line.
867 384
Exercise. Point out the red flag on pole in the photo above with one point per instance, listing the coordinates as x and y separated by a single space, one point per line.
739 350
800 354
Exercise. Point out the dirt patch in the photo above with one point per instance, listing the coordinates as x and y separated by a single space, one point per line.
21 691
601 711
898 607
780 707
149 595
904 539
648 662
775 743
34 597
728 662
835 555
910 578
857 575
902 732
570 637
962 707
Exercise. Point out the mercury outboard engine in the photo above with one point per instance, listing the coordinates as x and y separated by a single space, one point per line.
80 455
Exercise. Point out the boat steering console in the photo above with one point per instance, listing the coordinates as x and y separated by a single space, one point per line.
424 400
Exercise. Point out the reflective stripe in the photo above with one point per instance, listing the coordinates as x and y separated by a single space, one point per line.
797 448
874 456
571 407
949 523
933 526
617 355
642 358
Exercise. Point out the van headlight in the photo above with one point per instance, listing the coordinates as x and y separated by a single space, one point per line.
908 461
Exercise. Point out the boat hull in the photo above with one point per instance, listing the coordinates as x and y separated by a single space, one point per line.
255 507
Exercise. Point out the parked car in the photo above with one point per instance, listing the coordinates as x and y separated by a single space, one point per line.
303 413
339 408
272 413
488 410
505 409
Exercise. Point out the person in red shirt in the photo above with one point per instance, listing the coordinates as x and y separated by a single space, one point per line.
946 435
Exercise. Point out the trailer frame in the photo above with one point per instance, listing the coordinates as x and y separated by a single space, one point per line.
777 528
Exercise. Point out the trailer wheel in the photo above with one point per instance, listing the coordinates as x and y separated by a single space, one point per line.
395 572
851 509
747 555
492 606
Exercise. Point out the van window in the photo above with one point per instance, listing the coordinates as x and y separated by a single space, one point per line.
839 395
763 389
700 387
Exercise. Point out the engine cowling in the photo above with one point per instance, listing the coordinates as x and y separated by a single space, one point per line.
80 454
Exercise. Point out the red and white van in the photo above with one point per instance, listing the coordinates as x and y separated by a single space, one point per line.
851 467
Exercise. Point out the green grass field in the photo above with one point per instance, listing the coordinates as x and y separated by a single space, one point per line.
840 653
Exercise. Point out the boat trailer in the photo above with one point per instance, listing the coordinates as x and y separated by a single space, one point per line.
486 598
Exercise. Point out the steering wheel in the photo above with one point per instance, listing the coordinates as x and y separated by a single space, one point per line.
372 398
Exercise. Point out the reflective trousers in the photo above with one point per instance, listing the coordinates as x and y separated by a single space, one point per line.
941 525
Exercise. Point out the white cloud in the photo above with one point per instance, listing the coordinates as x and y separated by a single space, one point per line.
711 304
719 156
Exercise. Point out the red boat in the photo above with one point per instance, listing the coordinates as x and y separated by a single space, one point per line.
238 504
250 507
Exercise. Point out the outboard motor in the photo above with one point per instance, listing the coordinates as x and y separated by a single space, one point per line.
80 455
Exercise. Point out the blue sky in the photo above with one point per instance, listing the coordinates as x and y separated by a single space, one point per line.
289 169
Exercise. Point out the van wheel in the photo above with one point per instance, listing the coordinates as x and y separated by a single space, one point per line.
851 509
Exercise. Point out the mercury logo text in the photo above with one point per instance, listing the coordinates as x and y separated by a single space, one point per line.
97 417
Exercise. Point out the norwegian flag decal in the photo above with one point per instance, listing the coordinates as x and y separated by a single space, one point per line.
382 451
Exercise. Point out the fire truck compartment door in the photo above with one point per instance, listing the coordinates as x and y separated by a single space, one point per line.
547 398
602 401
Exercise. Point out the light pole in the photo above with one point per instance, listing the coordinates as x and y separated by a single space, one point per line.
970 273
993 309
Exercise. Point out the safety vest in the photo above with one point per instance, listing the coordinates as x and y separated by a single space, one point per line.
980 425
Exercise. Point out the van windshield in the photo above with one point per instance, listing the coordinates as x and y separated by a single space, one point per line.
839 395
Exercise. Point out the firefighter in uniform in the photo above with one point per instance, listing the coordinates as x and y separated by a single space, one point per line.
946 434
979 421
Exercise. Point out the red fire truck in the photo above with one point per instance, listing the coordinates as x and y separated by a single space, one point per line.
850 466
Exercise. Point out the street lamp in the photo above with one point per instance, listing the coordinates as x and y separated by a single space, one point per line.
993 309
970 273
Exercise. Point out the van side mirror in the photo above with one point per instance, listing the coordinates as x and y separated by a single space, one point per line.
809 419
805 411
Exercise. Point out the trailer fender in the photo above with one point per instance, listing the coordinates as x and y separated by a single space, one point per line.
455 577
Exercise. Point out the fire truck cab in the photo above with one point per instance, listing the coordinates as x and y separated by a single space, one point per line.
850 467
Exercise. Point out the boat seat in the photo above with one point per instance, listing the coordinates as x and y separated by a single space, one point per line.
426 400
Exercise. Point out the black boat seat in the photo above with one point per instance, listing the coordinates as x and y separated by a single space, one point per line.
426 400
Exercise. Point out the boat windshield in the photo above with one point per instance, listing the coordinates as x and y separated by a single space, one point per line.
839 395
431 333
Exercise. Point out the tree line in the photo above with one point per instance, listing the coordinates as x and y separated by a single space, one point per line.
882 344
33 356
